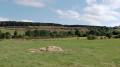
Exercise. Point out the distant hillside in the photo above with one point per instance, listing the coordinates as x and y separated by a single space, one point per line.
19 23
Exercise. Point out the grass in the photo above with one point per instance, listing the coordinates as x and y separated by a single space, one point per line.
12 31
79 52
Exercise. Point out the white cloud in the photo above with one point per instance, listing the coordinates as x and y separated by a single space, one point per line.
32 3
95 13
90 2
99 14
7 19
4 19
114 4
27 21
68 14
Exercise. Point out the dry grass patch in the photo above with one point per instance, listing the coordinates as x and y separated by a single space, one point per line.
49 48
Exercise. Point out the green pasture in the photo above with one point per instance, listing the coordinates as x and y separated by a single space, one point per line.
78 52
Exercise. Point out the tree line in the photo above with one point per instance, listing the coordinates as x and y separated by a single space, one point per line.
32 34
19 23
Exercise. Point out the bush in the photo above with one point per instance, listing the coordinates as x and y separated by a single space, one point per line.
91 37
28 33
78 33
117 36
18 36
105 37
70 33
116 32
92 32
8 36
16 33
3 35
109 35
101 37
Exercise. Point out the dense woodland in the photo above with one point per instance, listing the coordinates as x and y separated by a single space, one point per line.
19 23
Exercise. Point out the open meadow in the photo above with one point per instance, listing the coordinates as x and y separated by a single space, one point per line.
78 52
59 33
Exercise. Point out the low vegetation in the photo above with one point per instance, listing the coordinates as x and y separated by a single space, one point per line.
91 37
91 34
79 52
33 47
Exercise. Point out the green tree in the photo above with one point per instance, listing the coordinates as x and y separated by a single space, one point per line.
92 32
3 35
16 33
55 32
70 33
44 33
63 34
78 33
102 32
116 32
0 32
109 35
117 36
28 33
8 35
36 33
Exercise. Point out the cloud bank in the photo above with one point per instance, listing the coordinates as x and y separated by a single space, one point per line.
32 3
96 13
7 19
4 19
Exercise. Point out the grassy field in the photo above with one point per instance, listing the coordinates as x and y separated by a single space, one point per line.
13 30
79 52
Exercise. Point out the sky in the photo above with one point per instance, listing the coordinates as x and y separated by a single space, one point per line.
70 12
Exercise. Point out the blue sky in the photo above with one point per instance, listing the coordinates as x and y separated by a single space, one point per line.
82 12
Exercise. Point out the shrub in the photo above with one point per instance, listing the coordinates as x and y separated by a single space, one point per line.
18 36
3 35
53 35
92 32
105 37
109 35
28 33
0 32
101 37
16 33
70 33
91 37
78 33
116 32
117 36
8 33
8 36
